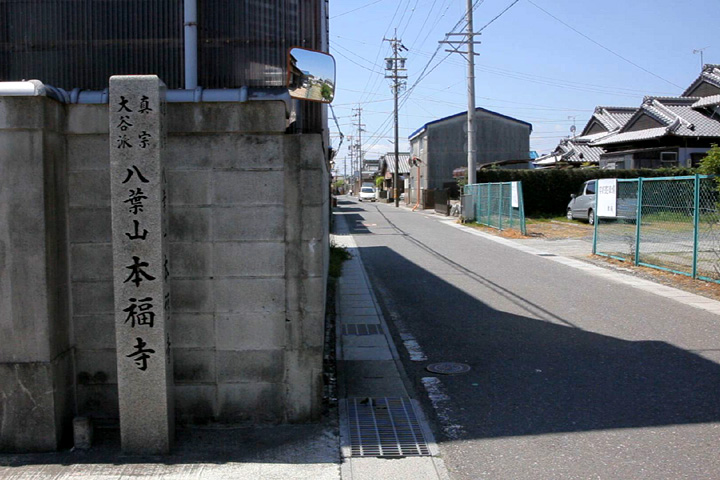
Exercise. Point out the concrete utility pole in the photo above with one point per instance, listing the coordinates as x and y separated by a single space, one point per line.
394 65
470 57
351 154
360 129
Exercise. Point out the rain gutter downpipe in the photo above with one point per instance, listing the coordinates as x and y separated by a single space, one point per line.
417 203
191 50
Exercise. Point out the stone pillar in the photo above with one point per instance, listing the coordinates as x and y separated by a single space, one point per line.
140 264
35 355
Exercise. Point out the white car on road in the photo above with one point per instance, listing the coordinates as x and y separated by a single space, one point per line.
367 193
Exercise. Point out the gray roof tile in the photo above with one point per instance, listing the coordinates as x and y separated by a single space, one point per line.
711 101
388 162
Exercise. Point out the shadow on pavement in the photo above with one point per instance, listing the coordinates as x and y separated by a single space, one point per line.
531 376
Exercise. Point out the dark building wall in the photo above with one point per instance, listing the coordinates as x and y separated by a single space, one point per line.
596 128
705 90
497 138
80 44
643 123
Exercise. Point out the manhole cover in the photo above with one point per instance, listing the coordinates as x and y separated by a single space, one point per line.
448 368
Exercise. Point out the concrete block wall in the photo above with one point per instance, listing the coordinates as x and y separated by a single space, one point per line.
248 252
36 394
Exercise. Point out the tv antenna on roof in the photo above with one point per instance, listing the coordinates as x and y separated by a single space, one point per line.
700 51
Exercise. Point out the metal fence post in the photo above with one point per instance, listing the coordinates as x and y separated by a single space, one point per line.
522 208
696 226
510 209
489 202
638 219
597 221
500 206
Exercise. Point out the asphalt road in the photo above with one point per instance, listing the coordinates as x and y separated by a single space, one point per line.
572 375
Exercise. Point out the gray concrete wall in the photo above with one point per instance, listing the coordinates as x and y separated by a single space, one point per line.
248 250
36 395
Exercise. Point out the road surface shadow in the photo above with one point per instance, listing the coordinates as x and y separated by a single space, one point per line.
532 376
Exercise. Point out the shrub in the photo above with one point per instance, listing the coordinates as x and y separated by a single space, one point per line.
547 192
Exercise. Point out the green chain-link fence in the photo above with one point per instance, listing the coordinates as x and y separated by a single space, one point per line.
498 205
669 223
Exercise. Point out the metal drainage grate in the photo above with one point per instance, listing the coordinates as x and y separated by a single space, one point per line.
362 329
384 427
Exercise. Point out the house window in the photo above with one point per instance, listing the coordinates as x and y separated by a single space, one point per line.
668 159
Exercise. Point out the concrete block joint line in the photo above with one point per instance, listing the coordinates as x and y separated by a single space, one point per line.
369 371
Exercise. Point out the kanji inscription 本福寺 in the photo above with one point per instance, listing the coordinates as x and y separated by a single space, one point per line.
140 263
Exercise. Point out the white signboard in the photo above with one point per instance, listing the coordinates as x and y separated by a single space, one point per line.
607 197
515 200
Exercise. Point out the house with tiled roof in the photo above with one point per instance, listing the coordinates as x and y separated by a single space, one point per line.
608 120
663 132
572 152
580 150
387 170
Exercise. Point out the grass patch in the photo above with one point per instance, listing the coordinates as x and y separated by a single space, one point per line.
548 219
338 255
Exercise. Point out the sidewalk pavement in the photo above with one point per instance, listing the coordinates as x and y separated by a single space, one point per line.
302 452
384 434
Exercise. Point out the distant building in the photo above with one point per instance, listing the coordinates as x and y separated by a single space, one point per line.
370 169
387 169
441 145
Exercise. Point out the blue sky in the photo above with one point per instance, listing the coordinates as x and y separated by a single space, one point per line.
547 62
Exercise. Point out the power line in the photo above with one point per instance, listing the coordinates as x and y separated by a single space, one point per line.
353 61
355 9
498 16
601 45
407 24
422 75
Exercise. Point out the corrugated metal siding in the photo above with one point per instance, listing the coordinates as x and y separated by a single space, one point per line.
81 43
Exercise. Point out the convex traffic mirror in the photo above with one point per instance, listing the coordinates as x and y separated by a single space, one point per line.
311 75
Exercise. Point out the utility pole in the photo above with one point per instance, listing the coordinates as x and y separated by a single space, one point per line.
351 154
393 65
360 129
469 55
